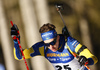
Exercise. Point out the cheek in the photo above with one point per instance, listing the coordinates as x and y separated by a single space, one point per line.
50 47
57 43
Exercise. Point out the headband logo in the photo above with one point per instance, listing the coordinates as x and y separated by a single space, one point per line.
47 34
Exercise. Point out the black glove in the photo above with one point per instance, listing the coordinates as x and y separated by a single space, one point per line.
65 32
83 60
14 32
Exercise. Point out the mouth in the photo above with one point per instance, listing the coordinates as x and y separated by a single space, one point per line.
53 48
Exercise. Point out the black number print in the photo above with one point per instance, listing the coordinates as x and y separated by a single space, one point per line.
66 67
59 67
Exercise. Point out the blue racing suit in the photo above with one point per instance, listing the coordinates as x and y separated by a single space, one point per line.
62 59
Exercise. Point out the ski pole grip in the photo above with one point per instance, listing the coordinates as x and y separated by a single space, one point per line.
15 26
59 7
84 65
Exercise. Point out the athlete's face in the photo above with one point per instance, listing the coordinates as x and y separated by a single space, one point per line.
55 45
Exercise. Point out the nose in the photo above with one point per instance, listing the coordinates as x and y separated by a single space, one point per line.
51 46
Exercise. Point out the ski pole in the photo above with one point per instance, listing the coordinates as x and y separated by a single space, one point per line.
84 65
20 48
59 7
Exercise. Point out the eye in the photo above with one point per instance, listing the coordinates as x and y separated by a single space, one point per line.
51 43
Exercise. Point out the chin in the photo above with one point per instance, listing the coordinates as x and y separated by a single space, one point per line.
54 50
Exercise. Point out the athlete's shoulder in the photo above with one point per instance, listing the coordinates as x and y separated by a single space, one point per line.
71 40
38 44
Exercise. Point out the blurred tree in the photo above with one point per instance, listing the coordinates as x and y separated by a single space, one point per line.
78 15
5 42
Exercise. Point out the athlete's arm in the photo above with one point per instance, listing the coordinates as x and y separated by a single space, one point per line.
81 50
36 49
29 52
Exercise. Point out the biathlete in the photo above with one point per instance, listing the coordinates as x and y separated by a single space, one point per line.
56 48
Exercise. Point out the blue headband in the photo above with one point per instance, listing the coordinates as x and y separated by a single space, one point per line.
48 35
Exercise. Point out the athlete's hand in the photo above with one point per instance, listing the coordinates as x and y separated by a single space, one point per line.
65 31
14 31
83 60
